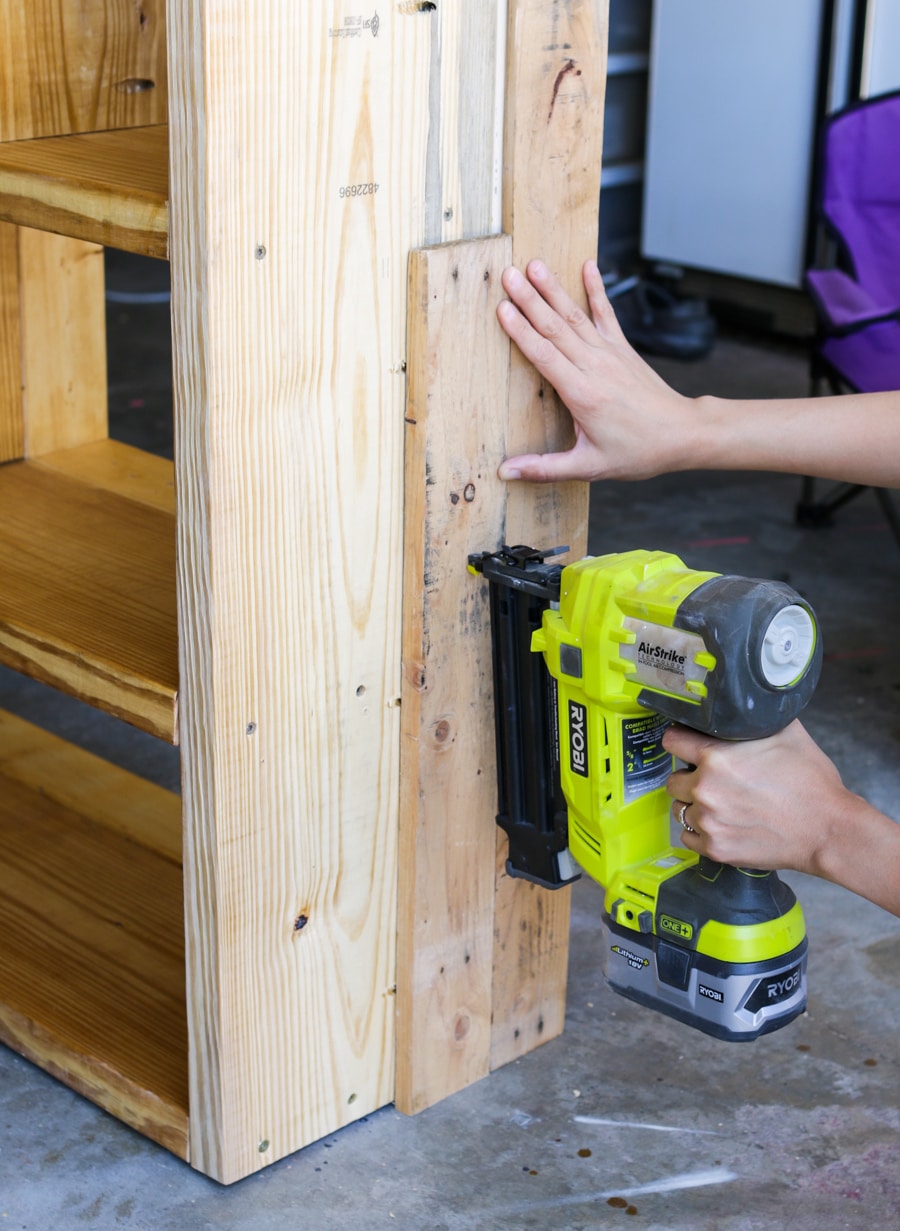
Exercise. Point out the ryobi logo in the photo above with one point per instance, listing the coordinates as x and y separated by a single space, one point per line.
675 927
578 749
775 989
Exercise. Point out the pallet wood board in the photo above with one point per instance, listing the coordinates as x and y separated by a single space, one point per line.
88 597
109 188
556 76
91 933
70 66
458 374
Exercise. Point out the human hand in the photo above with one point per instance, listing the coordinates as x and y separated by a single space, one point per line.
765 803
629 424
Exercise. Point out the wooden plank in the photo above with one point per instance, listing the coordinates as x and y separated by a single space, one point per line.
114 467
289 292
462 198
88 596
63 321
91 940
71 66
109 188
556 73
12 424
86 784
457 374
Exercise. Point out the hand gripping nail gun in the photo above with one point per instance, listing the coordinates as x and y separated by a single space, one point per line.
591 663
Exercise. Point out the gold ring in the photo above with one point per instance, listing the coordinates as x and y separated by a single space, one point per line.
682 822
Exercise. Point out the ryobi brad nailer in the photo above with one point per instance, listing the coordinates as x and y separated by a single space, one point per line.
591 663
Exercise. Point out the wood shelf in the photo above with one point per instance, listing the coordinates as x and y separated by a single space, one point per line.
109 188
87 556
92 977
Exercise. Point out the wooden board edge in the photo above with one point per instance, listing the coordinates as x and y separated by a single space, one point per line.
140 1109
12 421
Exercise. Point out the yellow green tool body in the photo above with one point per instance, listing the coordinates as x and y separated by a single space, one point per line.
628 643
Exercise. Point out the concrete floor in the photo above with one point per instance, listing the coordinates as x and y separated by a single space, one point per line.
629 1113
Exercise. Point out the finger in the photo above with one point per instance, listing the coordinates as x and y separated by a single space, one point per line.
553 293
605 319
545 468
539 350
686 744
680 785
530 295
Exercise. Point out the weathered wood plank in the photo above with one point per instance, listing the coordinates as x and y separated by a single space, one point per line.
289 292
63 322
91 935
12 423
71 66
457 374
552 153
109 188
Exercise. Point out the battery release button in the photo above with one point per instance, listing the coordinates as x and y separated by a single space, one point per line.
787 647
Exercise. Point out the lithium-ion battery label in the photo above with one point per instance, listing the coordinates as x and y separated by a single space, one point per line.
647 764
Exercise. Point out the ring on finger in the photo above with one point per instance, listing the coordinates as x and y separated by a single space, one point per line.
682 822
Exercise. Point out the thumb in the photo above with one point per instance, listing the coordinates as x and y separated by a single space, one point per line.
543 467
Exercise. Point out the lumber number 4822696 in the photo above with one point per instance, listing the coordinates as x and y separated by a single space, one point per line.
358 190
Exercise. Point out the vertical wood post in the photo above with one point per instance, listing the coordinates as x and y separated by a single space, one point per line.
297 189
12 424
551 188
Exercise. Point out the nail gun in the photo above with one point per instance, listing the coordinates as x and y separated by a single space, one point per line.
592 661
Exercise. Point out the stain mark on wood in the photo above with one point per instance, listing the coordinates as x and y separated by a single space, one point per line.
569 67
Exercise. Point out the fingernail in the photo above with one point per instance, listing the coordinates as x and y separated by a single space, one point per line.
508 472
537 269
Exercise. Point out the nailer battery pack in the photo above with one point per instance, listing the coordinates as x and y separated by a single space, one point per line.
592 661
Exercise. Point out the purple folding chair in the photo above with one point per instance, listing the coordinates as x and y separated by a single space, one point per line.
857 346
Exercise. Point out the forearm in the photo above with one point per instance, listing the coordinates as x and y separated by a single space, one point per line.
854 438
861 851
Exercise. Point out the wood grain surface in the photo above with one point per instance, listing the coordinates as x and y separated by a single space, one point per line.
71 66
91 931
110 188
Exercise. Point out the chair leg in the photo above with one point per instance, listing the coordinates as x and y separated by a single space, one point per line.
890 512
812 513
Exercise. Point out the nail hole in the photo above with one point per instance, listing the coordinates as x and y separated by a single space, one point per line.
300 922
135 85
263 1146
352 1098
251 728
260 252
361 691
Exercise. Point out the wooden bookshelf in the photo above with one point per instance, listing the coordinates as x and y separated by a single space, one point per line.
87 556
309 150
109 188
92 929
